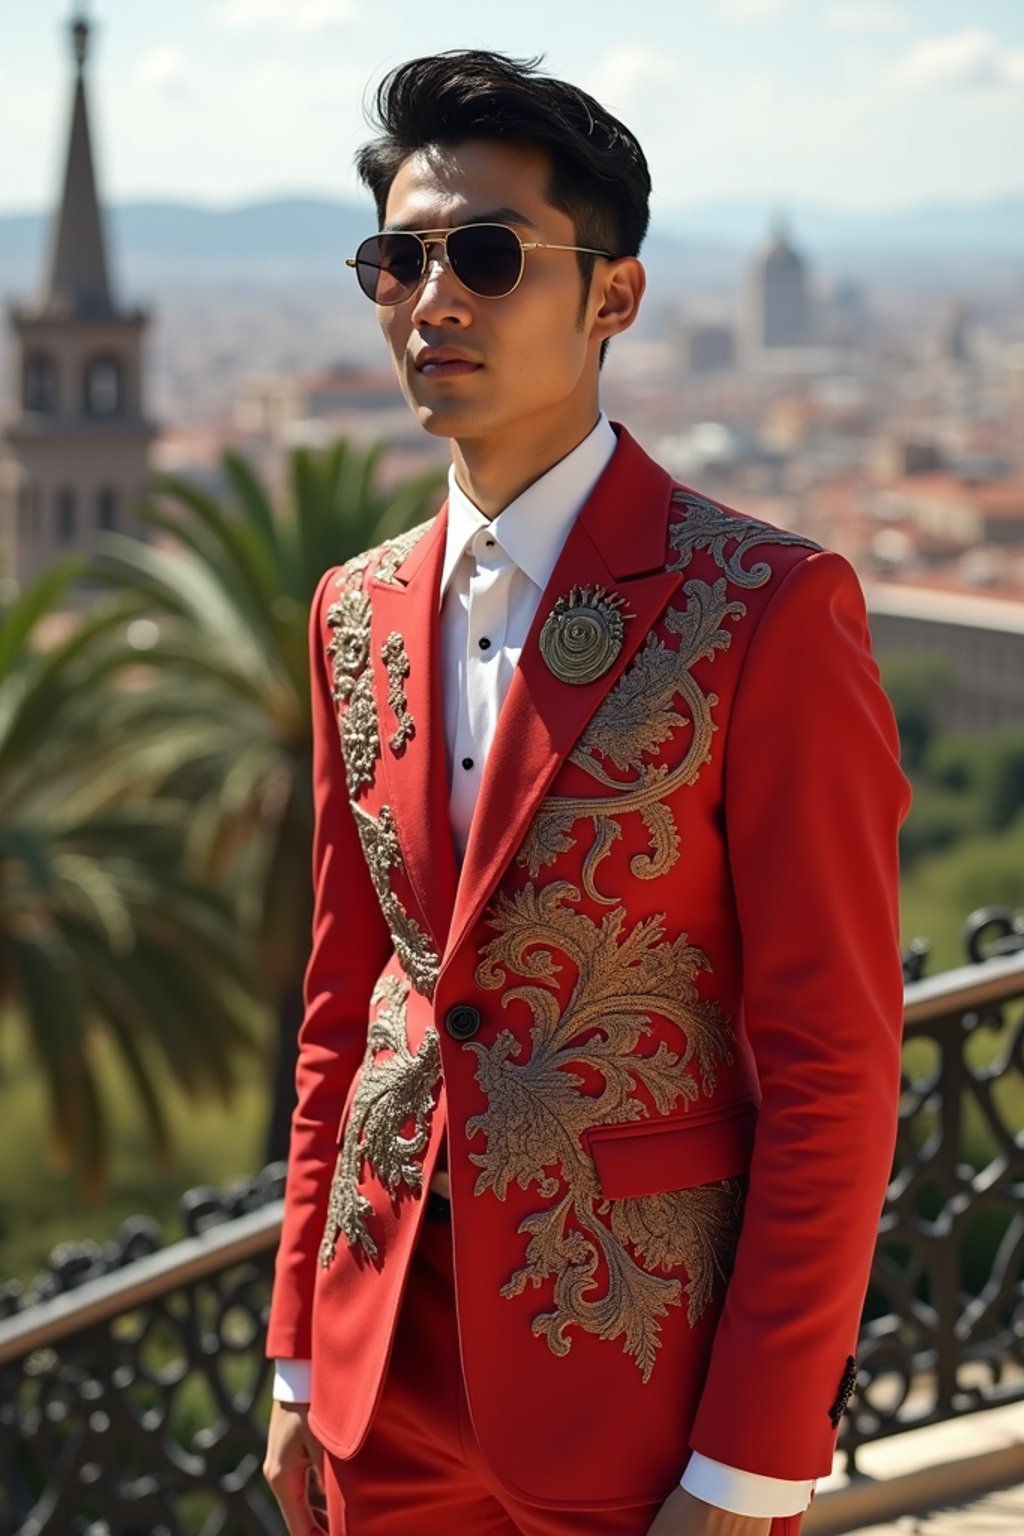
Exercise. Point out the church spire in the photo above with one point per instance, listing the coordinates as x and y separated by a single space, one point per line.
77 281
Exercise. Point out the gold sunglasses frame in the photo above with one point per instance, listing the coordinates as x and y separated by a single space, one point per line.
433 237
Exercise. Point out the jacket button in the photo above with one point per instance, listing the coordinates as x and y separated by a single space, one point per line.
462 1021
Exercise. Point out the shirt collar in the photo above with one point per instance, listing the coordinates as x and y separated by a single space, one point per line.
533 528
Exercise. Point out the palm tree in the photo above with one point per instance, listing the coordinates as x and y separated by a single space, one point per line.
101 934
225 723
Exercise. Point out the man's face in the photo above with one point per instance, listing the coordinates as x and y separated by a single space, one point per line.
527 354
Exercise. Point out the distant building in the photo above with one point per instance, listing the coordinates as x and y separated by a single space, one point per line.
274 413
951 343
841 315
961 512
981 638
899 457
74 455
708 348
777 308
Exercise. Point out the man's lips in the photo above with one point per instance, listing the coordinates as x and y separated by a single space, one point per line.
444 363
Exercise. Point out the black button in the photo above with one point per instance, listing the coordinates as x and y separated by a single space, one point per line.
467 763
490 543
462 1021
485 644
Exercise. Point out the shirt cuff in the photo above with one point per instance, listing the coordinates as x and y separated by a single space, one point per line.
291 1381
744 1493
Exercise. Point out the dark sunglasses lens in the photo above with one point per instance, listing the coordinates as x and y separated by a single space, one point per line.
389 267
487 258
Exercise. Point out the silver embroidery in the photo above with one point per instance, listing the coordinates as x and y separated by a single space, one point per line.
638 715
706 526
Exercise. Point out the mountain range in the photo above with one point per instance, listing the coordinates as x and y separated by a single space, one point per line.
159 243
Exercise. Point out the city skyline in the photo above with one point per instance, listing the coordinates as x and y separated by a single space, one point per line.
849 104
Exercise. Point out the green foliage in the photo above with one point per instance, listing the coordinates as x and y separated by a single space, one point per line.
965 785
915 685
155 797
102 934
41 1205
220 718
941 889
939 818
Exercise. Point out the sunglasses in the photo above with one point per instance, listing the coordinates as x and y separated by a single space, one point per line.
488 259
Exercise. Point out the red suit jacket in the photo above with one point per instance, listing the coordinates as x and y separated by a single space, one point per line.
658 1010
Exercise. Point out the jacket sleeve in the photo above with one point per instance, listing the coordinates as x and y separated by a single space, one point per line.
814 797
350 946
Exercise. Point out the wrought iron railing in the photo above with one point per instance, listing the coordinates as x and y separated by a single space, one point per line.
133 1394
944 1329
133 1398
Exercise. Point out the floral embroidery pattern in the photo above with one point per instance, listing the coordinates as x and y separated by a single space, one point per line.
396 662
396 1086
636 718
538 1113
656 696
396 551
349 653
379 840
349 619
703 525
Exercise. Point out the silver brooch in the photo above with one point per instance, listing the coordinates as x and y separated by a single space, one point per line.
582 635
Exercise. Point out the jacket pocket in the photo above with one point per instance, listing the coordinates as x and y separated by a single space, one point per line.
651 1157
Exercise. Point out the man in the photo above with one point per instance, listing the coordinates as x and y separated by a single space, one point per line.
598 1073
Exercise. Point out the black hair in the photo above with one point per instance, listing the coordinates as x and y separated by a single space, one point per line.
599 175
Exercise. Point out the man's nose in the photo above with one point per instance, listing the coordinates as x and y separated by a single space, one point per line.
442 299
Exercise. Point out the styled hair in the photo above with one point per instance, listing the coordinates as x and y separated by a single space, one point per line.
599 175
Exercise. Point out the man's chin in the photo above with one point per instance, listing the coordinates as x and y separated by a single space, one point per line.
445 419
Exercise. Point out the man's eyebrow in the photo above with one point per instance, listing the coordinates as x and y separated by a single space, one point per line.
492 216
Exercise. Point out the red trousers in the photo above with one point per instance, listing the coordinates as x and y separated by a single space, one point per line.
420 1471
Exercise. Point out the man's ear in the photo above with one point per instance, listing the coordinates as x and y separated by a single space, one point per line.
616 290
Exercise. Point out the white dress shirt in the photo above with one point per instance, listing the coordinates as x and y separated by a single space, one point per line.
494 573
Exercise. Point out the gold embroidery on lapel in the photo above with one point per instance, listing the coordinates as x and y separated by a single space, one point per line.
383 855
349 651
396 661
636 718
537 1110
393 1089
705 526
396 550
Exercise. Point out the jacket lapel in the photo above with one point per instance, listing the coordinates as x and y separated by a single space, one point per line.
617 542
415 760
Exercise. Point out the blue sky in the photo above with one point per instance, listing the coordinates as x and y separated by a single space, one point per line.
855 103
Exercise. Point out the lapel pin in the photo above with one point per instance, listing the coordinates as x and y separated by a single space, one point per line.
583 633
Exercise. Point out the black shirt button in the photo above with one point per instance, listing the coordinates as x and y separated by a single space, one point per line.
467 763
462 1021
485 644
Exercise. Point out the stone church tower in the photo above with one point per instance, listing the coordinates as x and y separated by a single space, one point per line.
74 454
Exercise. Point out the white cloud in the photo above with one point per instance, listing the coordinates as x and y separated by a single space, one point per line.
301 16
866 16
627 77
969 59
753 10
166 71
